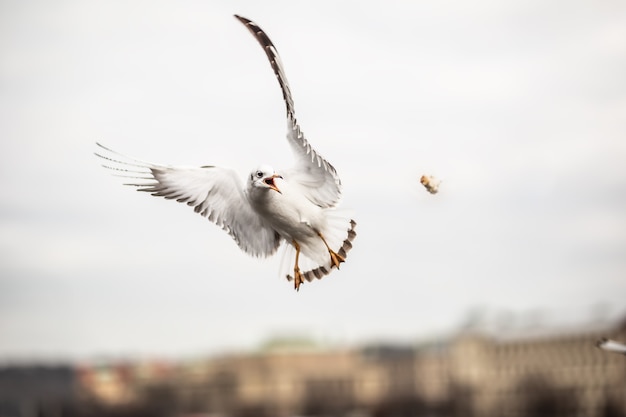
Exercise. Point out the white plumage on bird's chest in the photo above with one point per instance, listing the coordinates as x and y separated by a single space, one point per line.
293 216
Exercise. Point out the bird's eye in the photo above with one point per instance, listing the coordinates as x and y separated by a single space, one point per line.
259 174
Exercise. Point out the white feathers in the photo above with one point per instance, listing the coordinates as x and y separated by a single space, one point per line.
213 192
318 178
292 205
611 346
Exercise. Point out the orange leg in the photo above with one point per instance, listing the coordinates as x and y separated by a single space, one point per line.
297 275
335 258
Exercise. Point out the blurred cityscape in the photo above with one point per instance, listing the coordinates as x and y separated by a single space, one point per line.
553 372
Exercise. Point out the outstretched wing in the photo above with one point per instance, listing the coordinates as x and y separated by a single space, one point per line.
316 177
213 192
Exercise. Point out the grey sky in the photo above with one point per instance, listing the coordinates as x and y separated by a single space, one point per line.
520 107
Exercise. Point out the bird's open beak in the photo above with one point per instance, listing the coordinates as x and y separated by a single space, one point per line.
270 182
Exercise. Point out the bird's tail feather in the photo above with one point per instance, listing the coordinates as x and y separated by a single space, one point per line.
339 234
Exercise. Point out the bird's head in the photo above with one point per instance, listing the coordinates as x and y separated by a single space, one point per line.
264 178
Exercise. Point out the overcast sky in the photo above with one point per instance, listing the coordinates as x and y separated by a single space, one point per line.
519 106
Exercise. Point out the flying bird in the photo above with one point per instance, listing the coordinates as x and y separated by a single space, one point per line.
611 346
293 207
430 183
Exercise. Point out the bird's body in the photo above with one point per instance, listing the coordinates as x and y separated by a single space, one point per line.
284 209
611 346
288 212
295 205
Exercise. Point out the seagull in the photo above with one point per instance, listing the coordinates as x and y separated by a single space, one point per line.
295 208
611 346
430 183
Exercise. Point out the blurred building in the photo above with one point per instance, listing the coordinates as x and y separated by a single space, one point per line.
109 384
294 382
28 391
126 386
543 374
474 373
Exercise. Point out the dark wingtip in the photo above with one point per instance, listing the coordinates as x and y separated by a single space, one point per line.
242 19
